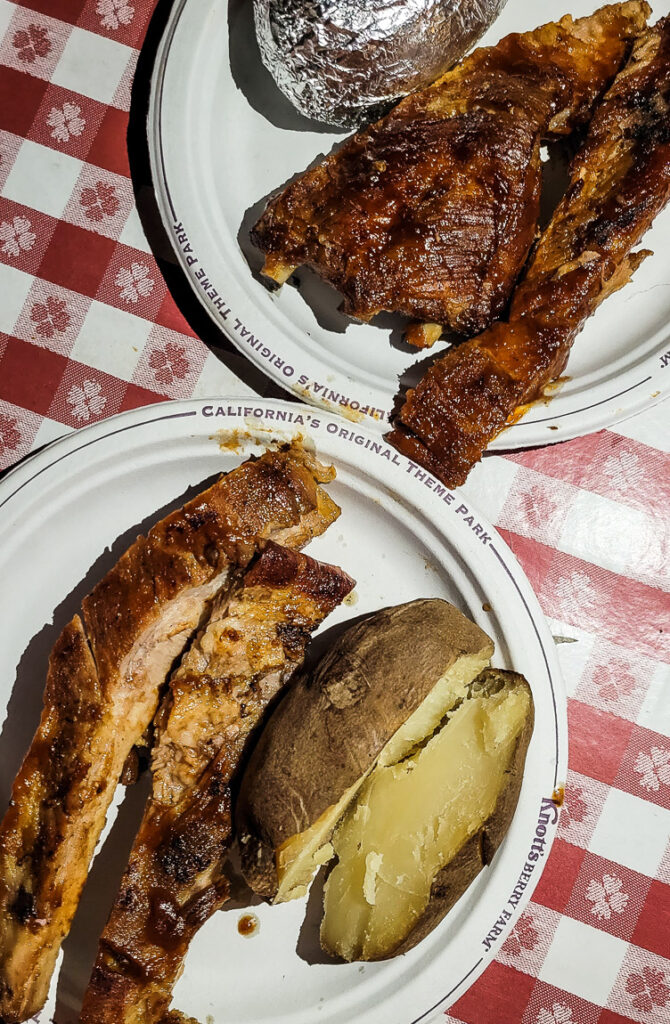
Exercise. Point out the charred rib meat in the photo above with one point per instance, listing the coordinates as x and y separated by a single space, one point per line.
103 689
431 211
250 648
620 180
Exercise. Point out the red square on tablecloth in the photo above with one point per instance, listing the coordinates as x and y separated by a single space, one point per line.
536 559
63 264
100 201
652 930
136 397
570 460
558 879
550 1005
20 98
645 767
66 10
66 121
85 395
579 592
133 282
499 996
109 148
30 376
170 362
25 235
609 1017
636 617
608 896
598 741
123 20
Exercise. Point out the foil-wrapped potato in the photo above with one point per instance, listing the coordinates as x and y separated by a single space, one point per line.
344 61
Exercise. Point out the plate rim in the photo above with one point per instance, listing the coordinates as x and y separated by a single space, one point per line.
566 424
71 444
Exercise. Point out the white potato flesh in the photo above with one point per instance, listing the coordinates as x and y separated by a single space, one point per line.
299 858
411 818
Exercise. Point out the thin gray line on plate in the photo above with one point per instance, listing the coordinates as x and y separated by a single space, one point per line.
159 125
450 993
575 412
544 654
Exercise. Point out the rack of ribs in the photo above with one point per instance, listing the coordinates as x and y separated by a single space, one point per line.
103 685
250 648
620 180
431 211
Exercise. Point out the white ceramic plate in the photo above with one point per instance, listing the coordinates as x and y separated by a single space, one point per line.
222 138
65 517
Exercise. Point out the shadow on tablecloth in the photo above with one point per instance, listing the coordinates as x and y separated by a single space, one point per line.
176 280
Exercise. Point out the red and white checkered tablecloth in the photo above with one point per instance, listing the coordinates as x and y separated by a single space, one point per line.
89 328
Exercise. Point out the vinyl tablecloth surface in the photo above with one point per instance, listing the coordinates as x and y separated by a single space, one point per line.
88 328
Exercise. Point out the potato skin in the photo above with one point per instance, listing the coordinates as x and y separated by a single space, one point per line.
329 729
455 877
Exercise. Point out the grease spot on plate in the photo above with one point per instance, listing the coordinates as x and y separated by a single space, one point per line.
248 925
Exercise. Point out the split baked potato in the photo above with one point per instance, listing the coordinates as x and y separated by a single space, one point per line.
384 685
421 830
399 760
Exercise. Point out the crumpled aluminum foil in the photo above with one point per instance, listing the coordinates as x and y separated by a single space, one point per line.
345 61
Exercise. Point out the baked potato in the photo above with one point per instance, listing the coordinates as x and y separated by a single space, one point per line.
384 686
421 829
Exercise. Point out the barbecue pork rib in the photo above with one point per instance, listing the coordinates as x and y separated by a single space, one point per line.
103 689
620 180
252 645
431 211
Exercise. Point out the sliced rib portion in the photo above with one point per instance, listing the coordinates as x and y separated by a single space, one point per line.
250 648
63 788
99 701
432 210
620 180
